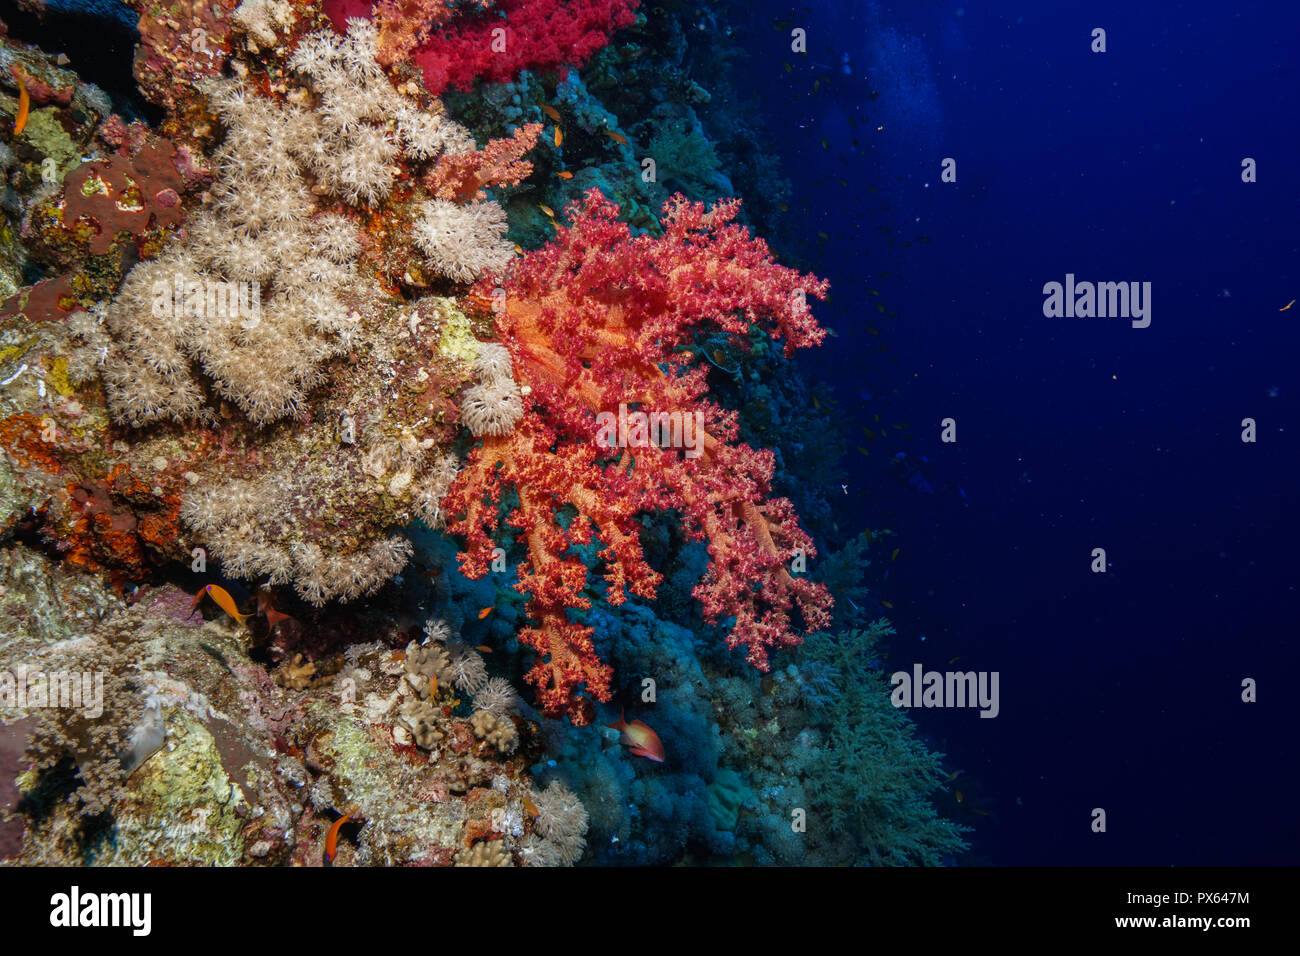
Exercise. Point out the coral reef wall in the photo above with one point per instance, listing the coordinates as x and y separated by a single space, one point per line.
346 482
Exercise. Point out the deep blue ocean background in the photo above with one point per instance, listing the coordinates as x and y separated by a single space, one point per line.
1120 691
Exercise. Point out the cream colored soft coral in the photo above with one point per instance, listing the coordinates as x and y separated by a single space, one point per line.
461 241
354 151
492 408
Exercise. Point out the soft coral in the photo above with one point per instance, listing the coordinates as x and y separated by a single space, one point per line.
481 39
594 320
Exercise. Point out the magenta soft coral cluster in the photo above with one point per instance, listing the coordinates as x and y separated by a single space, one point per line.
455 45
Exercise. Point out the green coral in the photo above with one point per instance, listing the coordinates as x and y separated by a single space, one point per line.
47 136
873 779
727 794
458 341
181 802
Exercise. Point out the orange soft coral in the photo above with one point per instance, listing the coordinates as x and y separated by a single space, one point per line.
592 322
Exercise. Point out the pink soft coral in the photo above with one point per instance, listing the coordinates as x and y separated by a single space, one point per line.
493 40
593 320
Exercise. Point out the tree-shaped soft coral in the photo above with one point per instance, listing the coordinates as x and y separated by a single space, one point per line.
454 44
593 321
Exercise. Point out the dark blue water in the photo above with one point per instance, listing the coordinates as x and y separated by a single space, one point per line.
1121 690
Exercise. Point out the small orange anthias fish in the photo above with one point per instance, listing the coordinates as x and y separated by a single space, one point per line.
486 611
223 599
551 111
332 837
266 605
564 174
643 741
24 106
616 136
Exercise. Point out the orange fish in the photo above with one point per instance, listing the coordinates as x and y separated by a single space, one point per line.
486 611
24 105
616 136
887 604
644 741
332 837
1283 309
223 599
546 209
483 649
274 617
264 606
961 797
433 686
559 137
550 111
565 174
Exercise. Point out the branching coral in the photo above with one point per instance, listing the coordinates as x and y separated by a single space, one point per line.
462 176
455 44
498 731
592 322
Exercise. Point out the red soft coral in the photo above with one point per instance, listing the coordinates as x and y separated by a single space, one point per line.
482 39
593 321
461 176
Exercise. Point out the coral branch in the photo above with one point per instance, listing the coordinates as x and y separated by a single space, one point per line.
591 322
482 39
461 177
